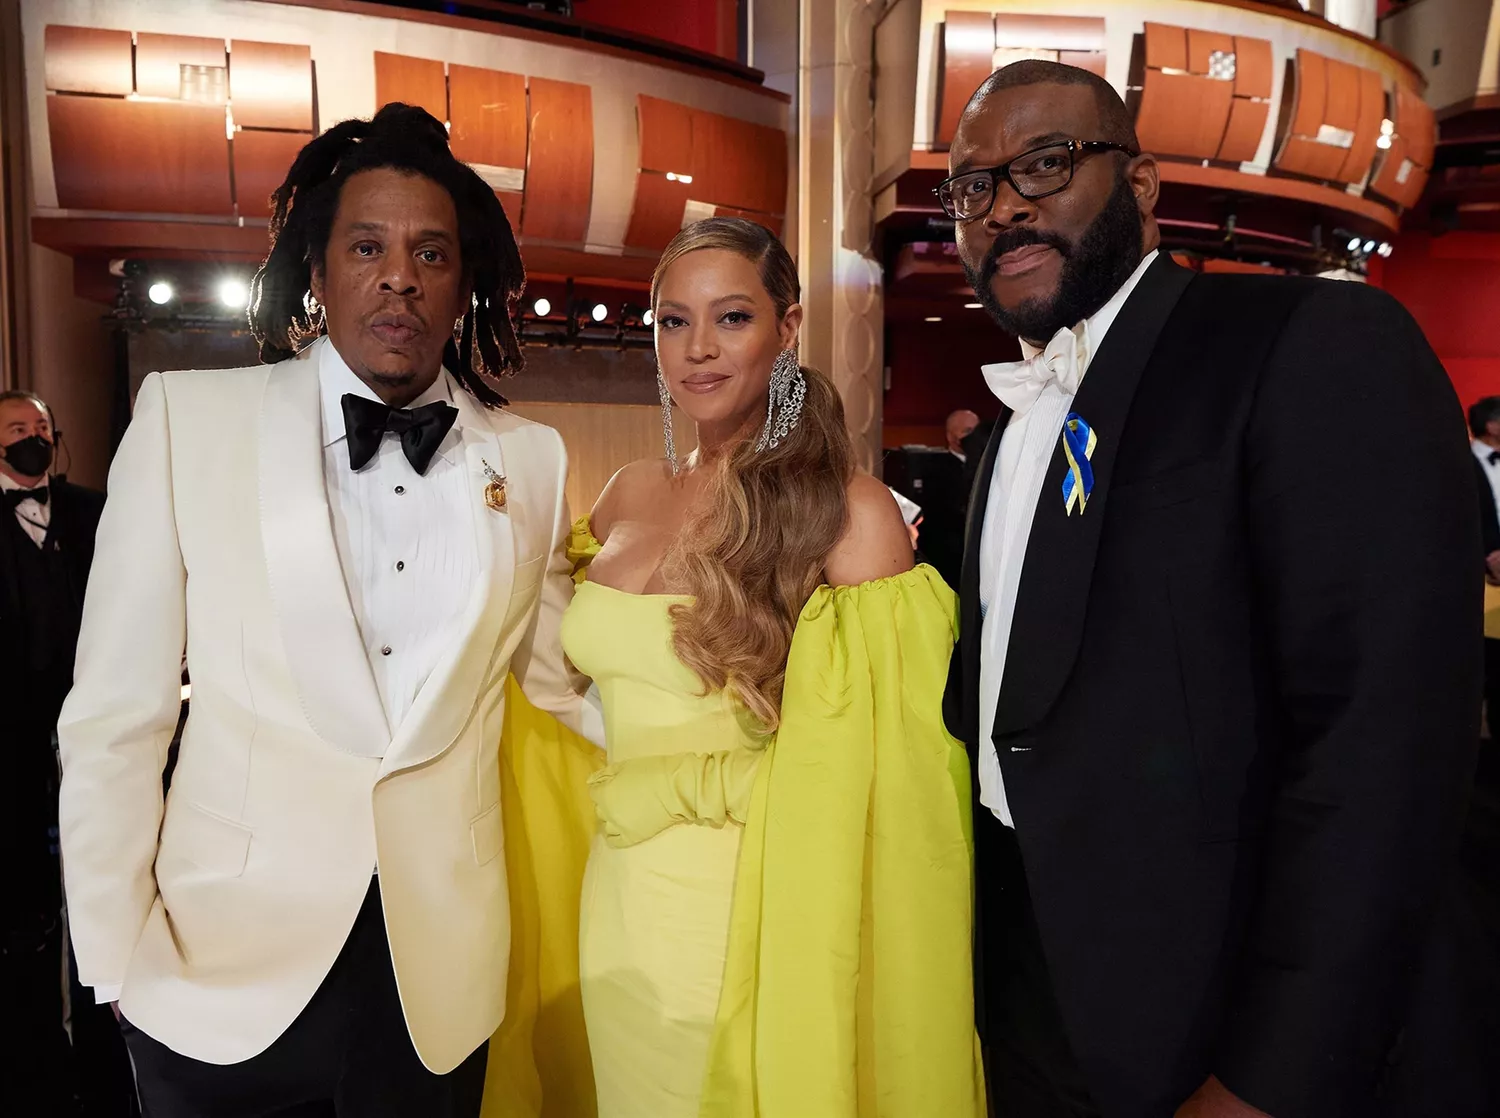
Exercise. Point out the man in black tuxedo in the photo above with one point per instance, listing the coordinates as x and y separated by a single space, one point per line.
1219 682
46 546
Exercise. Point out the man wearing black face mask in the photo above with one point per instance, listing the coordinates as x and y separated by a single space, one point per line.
1220 694
46 544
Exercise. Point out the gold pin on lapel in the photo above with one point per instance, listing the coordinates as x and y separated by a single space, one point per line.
494 490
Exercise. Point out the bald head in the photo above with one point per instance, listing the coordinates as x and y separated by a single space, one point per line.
1115 124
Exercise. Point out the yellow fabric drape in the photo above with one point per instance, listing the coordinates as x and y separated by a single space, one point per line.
848 984
539 1063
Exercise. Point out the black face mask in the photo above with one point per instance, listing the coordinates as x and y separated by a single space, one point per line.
31 457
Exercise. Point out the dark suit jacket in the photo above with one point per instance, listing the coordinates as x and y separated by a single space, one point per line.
1241 699
1489 516
28 794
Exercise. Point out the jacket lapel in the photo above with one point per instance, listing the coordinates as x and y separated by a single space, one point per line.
456 686
1059 566
961 699
323 647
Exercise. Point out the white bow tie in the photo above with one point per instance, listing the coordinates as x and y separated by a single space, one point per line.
1020 383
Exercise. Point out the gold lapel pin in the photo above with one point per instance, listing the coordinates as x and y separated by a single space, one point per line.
494 489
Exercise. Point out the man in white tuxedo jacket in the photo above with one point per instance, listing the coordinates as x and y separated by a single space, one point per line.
354 549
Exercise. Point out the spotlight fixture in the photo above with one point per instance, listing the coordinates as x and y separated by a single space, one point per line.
160 292
1354 243
233 293
542 307
1369 247
599 313
648 318
973 306
673 176
1386 248
933 318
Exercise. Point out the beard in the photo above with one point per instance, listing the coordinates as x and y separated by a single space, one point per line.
1094 268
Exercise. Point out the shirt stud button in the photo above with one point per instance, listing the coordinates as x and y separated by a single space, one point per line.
400 566
386 651
400 489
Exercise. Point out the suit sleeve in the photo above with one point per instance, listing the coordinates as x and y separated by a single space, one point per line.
546 677
118 721
1489 515
1367 580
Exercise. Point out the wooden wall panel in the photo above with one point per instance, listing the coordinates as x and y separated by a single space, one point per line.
159 60
968 58
1310 93
1242 135
1341 109
1201 47
488 111
666 130
600 438
1166 47
1254 67
1067 34
261 161
560 161
139 156
414 81
88 60
1403 172
270 85
1183 115
738 164
656 214
1370 112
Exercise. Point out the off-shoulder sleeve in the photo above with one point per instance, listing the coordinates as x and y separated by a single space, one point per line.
582 547
848 985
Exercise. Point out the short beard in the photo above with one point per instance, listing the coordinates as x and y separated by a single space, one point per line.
1093 269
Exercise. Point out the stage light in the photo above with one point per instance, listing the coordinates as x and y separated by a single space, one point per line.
599 313
1354 244
973 306
933 318
160 292
1369 247
648 319
1383 143
1386 248
673 176
542 308
233 293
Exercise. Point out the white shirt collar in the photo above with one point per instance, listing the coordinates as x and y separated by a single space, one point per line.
1091 330
7 483
1482 451
336 380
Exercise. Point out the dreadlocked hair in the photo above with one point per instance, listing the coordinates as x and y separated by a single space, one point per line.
408 139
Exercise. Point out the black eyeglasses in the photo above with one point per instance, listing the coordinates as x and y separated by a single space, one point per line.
1032 174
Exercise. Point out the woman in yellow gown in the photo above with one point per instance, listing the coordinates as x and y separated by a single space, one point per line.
776 913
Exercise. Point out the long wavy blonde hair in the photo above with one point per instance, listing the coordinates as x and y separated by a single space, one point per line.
753 553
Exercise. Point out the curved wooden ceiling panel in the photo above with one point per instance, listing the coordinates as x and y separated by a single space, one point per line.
271 85
261 161
968 58
88 60
560 161
412 81
163 64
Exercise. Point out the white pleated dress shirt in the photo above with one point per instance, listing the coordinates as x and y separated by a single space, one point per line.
33 516
1041 398
406 541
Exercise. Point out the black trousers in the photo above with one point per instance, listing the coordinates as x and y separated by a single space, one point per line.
1492 687
1029 1064
348 1055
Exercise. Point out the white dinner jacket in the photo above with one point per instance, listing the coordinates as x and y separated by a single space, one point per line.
223 909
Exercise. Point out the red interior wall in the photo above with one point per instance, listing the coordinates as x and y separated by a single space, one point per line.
708 25
935 371
1451 285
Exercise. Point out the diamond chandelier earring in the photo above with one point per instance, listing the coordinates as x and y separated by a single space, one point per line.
666 420
784 407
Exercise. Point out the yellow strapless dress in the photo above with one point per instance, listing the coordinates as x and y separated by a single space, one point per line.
736 890
656 913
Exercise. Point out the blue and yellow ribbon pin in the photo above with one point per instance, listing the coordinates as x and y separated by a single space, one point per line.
1079 442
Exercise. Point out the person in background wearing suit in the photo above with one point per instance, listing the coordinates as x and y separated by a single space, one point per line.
1222 703
356 546
47 530
1484 426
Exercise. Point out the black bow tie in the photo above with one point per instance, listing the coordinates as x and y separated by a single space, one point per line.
421 429
14 497
1494 457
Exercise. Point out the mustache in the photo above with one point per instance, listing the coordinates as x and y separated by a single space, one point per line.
1022 236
